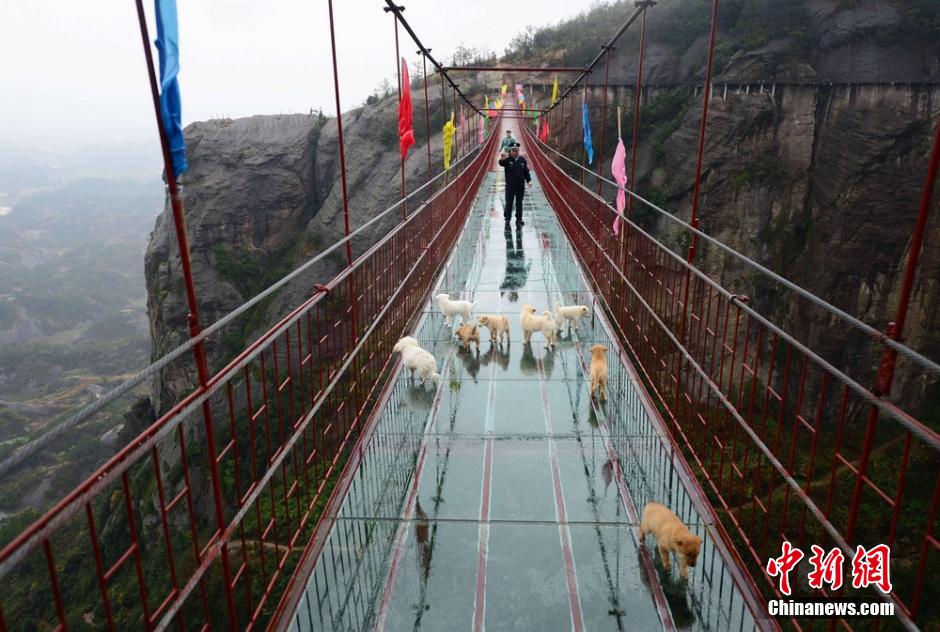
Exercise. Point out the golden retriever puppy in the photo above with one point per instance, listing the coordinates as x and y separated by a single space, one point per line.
468 334
671 535
498 327
530 322
599 371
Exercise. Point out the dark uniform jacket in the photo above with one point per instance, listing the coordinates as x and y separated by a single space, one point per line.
517 172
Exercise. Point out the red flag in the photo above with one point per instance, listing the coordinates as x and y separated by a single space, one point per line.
545 130
406 135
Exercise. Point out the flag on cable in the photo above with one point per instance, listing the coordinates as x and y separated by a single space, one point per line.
480 127
585 121
171 111
555 91
449 129
406 134
545 130
619 170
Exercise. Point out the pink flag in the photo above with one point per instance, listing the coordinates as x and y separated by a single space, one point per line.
619 170
480 121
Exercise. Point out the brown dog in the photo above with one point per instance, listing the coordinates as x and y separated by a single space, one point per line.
468 334
599 371
498 326
671 535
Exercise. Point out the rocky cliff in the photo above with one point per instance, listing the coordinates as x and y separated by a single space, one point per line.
817 180
262 196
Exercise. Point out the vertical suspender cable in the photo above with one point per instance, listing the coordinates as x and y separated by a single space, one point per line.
695 192
339 130
404 204
636 113
600 149
427 110
199 350
895 332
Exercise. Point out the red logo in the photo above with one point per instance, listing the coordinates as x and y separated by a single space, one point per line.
783 565
872 567
826 570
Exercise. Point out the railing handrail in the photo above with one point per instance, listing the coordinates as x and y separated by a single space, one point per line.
22 453
105 474
926 363
731 408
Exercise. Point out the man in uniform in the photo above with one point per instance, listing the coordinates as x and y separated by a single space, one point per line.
517 177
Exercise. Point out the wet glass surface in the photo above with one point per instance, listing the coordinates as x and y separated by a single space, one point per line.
494 501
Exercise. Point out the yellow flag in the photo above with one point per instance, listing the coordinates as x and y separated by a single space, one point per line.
449 130
486 102
555 91
503 91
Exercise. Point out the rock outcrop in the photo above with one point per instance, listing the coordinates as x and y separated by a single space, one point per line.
262 196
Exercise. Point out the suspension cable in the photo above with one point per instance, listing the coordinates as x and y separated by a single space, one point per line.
925 363
397 10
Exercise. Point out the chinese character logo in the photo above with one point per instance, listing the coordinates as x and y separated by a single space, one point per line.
872 567
781 566
826 570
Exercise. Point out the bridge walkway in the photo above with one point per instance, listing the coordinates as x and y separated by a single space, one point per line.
507 499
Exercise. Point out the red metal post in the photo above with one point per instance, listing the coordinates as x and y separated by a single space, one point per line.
339 130
600 148
199 350
706 92
636 111
695 195
427 111
895 331
398 61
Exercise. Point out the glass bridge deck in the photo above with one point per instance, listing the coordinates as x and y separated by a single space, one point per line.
498 501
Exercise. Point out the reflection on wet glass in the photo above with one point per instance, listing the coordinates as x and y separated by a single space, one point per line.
517 270
420 569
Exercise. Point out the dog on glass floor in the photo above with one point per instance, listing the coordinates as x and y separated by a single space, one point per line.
599 372
672 536
417 360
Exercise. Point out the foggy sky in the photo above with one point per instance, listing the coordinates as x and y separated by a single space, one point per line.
74 73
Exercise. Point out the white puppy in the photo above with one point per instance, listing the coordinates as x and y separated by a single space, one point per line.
452 308
417 360
530 322
570 313
549 329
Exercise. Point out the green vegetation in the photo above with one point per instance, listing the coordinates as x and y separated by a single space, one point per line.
765 171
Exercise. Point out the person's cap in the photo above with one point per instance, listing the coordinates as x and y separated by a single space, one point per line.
515 147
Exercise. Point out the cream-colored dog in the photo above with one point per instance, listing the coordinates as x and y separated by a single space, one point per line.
498 327
570 313
671 535
452 308
530 322
468 334
599 371
417 360
549 329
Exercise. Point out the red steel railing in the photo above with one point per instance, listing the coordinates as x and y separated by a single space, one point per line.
141 531
775 432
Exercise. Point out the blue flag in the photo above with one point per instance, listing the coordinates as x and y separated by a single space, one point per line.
588 147
168 47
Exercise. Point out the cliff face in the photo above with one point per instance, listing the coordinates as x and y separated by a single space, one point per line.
818 181
263 195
